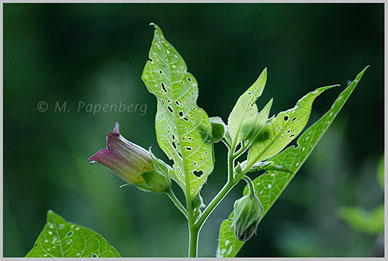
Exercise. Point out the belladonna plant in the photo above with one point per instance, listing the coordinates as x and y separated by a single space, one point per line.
257 153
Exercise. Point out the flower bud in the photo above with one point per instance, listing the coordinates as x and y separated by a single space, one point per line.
133 164
247 213
218 128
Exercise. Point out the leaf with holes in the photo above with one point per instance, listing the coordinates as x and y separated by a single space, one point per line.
283 128
244 114
270 186
183 129
62 239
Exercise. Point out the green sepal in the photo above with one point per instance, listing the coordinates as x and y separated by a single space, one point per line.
247 213
160 165
158 180
155 182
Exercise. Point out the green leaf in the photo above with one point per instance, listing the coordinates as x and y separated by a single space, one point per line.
62 239
371 222
259 124
268 165
283 128
244 114
270 186
183 129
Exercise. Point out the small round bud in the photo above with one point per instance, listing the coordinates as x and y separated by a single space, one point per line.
218 129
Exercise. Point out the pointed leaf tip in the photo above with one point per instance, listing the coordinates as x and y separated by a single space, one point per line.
60 238
171 83
156 27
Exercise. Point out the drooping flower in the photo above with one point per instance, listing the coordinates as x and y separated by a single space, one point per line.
124 158
247 213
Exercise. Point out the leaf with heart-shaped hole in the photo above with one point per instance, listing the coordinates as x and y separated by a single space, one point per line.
183 129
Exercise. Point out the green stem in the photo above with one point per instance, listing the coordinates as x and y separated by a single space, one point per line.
250 184
226 142
177 203
193 232
195 227
213 204
221 194
193 240
240 151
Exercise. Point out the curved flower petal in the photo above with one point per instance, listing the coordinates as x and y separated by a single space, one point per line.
124 158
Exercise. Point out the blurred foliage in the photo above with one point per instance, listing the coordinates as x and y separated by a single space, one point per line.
380 173
370 222
95 53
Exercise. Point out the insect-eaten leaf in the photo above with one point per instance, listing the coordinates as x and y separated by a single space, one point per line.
62 239
183 129
269 187
283 128
244 114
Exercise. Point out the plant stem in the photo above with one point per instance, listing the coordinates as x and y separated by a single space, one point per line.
221 194
250 184
243 148
195 227
193 240
177 203
193 231
213 204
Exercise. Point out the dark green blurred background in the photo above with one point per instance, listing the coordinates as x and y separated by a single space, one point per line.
95 53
